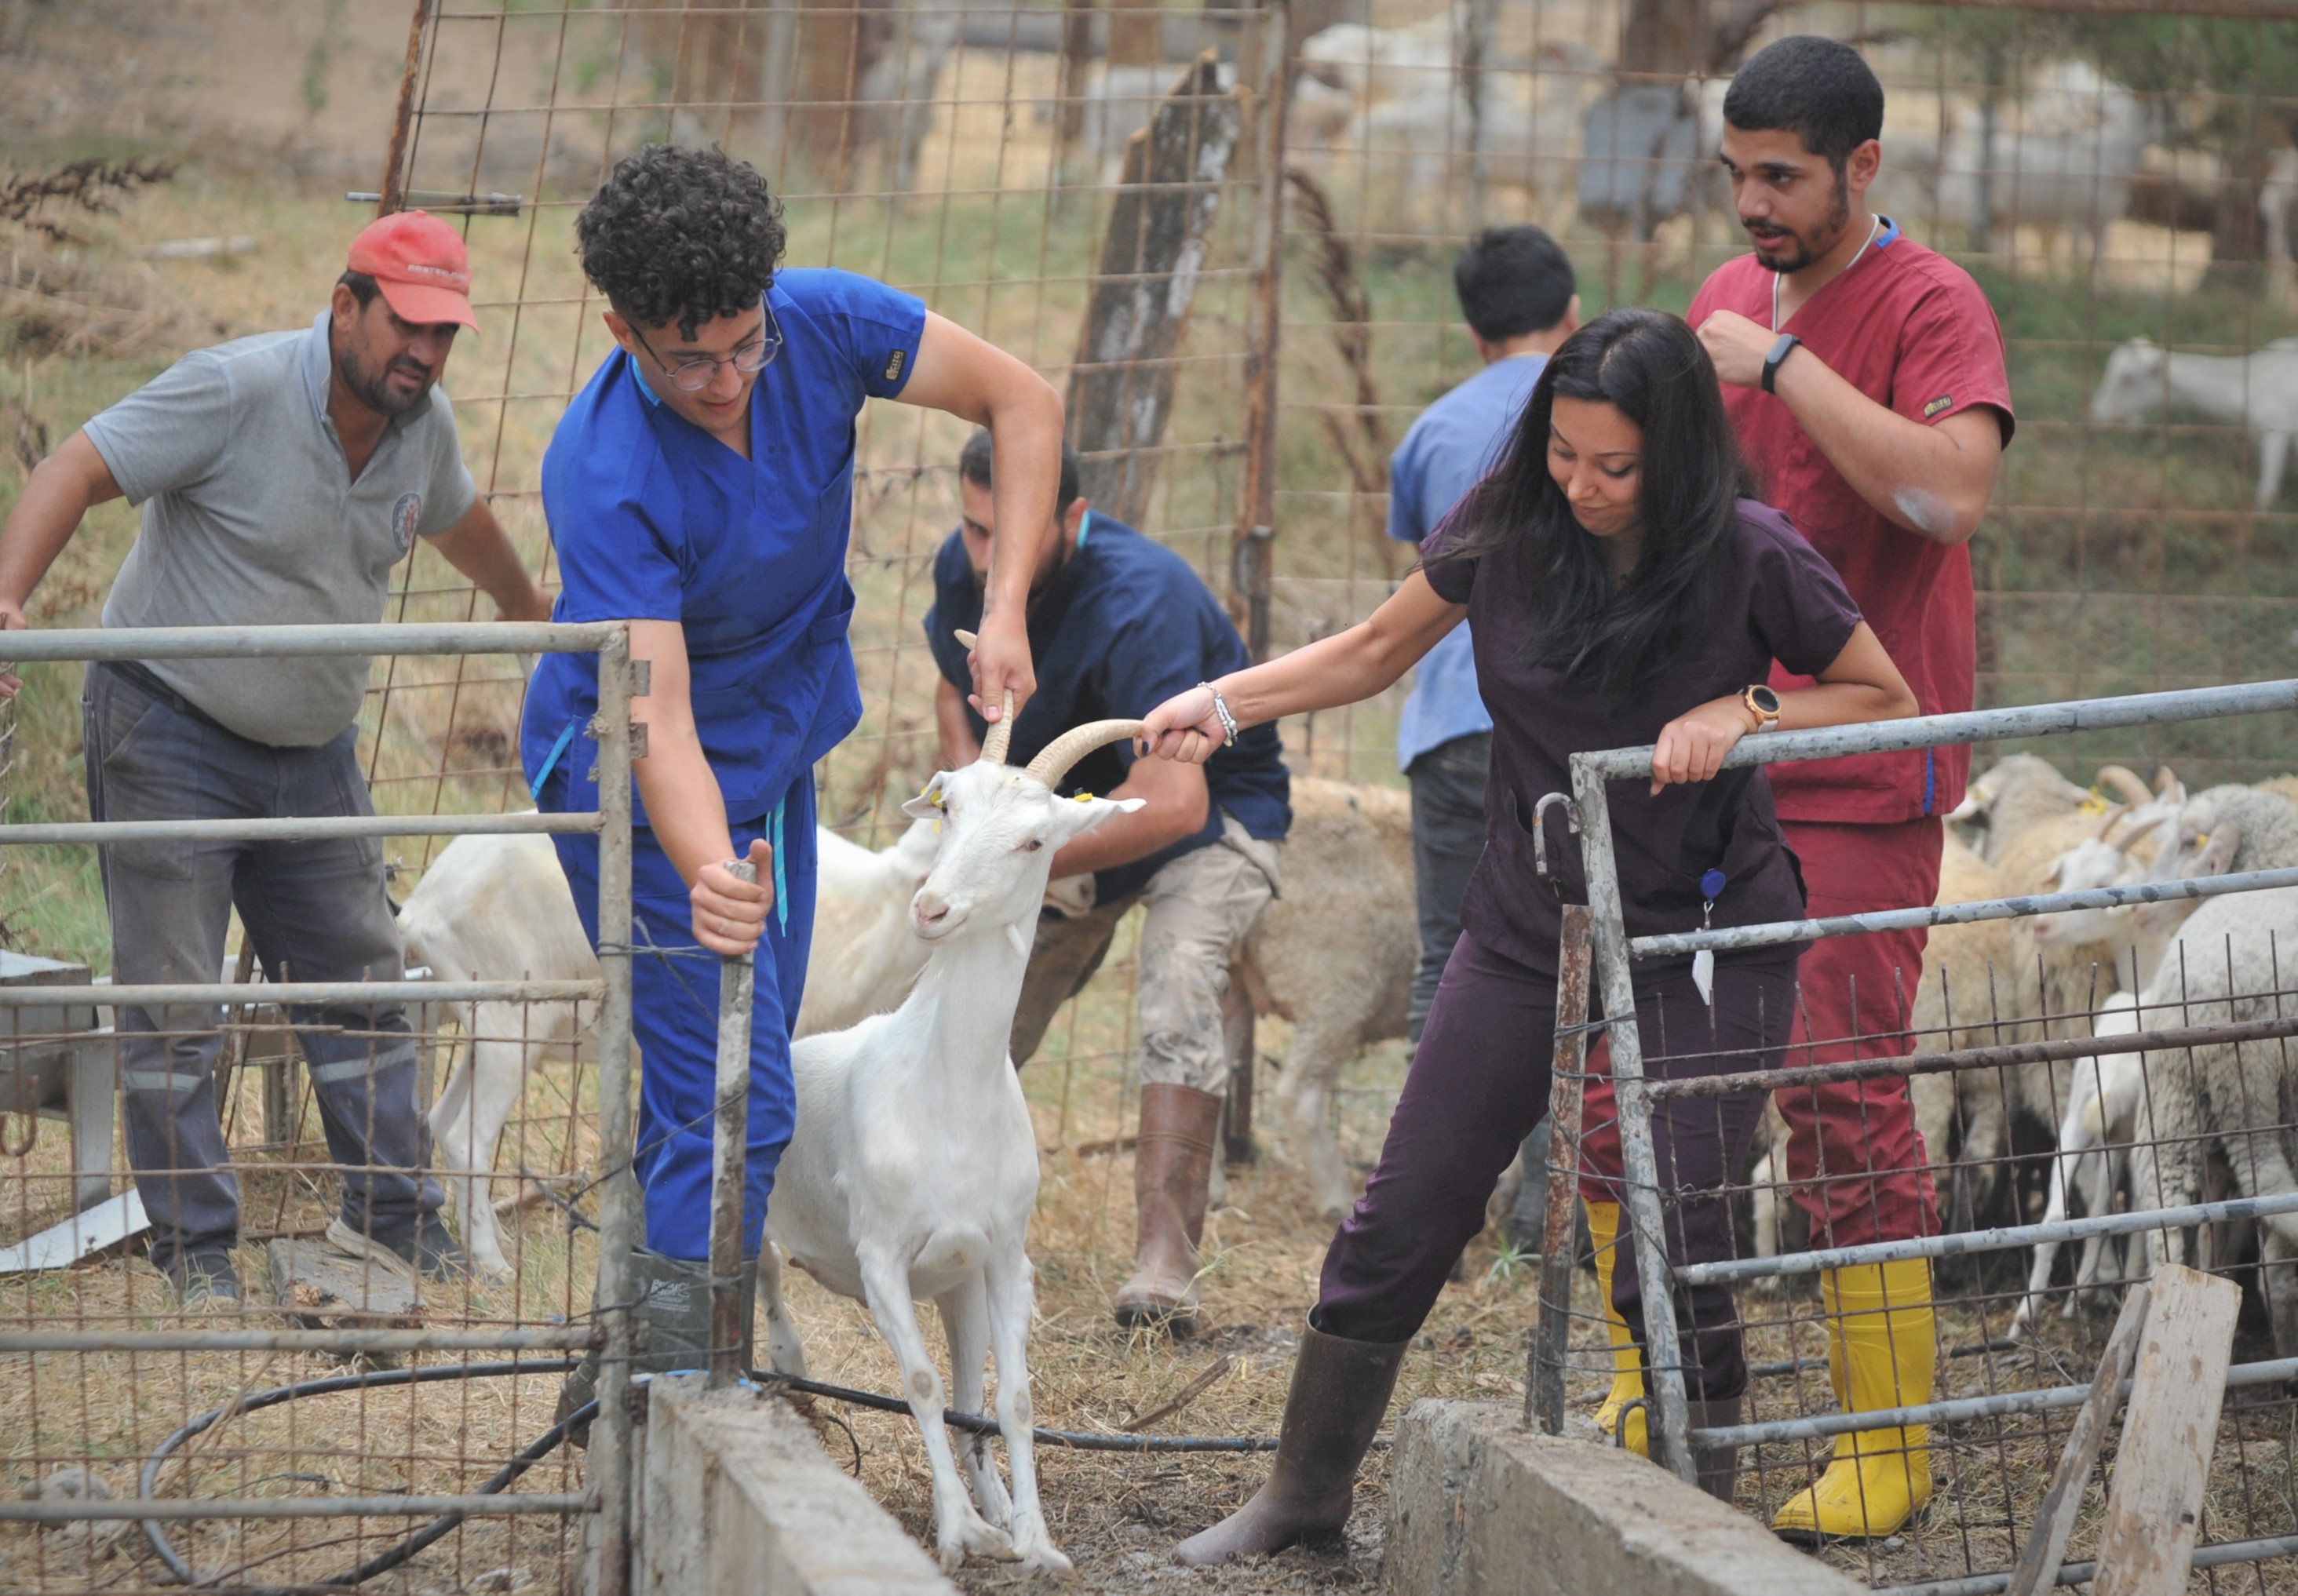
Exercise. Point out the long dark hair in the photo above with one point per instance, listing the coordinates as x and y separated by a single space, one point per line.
1651 367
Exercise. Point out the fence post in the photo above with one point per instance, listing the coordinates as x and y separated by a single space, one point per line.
1662 1358
1551 1344
730 1158
611 1457
1251 557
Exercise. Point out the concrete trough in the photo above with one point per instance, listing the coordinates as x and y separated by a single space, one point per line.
1481 1505
739 1499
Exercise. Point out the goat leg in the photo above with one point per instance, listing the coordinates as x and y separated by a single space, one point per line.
1006 1281
965 1323
959 1527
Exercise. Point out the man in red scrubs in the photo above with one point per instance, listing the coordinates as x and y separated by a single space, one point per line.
1864 376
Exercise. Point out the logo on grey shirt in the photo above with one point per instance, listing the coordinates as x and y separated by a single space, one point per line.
404 515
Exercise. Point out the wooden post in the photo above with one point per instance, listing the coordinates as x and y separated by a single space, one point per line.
1551 1342
2154 1506
1121 386
2054 1520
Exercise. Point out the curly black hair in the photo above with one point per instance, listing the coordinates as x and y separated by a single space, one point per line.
682 233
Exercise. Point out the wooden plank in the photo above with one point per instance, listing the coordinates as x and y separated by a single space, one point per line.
2054 1520
323 1289
1136 316
2155 1506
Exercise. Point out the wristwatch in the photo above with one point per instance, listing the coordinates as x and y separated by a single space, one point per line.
1764 704
1781 347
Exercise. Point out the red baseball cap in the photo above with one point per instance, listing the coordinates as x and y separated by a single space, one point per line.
420 265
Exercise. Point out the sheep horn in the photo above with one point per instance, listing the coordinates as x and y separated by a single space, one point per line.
1054 762
1001 735
2126 781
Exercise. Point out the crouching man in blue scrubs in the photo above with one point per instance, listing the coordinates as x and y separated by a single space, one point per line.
700 488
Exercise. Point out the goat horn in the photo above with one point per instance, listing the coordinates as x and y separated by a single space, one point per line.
2114 817
1074 744
2165 779
1001 735
2126 781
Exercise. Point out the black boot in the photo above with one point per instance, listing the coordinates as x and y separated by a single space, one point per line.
672 1310
1718 1467
1340 1391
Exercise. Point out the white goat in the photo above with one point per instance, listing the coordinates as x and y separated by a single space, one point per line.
2258 390
493 908
497 908
913 1168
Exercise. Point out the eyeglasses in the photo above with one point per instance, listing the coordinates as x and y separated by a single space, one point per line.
691 376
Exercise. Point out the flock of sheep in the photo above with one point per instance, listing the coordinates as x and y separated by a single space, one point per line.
2143 1130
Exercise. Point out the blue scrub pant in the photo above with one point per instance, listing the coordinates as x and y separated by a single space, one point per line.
674 1019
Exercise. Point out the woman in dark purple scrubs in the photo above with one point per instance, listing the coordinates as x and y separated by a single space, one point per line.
1622 589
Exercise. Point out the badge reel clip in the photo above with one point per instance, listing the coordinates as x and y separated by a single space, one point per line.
1703 963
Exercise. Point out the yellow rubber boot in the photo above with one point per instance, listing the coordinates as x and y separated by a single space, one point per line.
1885 1354
1627 1363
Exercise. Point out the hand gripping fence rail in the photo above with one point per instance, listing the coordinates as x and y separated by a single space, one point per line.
1614 953
610 1333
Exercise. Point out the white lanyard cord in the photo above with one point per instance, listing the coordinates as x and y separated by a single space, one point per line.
1873 227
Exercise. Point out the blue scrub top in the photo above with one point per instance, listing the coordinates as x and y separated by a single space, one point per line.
654 519
1450 447
1124 625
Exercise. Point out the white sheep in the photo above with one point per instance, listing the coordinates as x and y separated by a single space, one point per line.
2225 965
2258 390
914 1166
497 908
1335 955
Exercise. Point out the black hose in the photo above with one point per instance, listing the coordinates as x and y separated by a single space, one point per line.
1082 1440
544 1444
367 1380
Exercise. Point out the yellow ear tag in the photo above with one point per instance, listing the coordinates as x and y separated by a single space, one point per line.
2094 803
1081 798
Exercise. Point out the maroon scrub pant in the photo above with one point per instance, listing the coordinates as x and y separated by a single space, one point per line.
1479 1081
1857 1162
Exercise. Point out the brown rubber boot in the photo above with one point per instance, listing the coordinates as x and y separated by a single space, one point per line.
1340 1391
1718 1467
1172 1163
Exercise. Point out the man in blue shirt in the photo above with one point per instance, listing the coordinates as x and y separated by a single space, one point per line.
1515 290
700 488
1117 621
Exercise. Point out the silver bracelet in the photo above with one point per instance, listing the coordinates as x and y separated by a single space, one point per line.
1220 708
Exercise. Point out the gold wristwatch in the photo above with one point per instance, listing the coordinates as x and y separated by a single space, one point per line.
1764 704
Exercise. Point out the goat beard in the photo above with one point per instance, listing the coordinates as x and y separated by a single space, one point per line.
1839 218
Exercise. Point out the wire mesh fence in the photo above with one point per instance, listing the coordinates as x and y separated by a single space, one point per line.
2084 1113
304 1392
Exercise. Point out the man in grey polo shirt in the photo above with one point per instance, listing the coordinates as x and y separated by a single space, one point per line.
281 477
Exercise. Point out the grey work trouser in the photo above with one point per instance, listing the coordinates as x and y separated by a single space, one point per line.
1448 839
315 912
1201 906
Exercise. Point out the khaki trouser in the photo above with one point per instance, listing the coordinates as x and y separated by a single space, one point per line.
1200 909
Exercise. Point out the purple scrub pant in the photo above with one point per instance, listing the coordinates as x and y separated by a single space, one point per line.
1479 1081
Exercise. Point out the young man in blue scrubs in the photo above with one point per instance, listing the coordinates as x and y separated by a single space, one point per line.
1117 621
700 488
